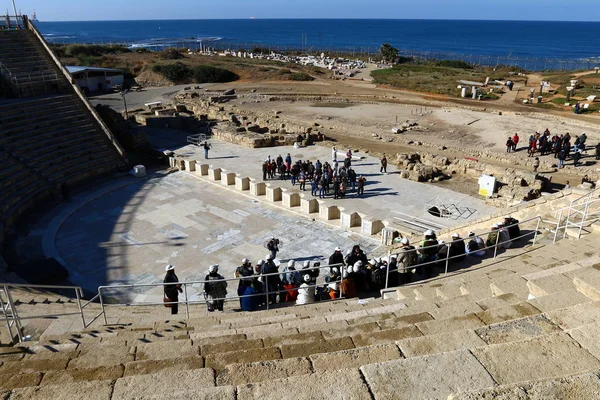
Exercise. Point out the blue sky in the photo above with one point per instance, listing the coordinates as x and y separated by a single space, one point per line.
72 10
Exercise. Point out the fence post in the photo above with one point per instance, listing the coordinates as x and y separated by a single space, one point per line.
496 246
537 228
387 273
447 258
187 308
267 290
102 306
78 295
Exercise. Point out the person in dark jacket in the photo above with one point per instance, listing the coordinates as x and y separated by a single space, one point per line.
458 250
215 289
173 289
336 258
512 226
244 273
356 255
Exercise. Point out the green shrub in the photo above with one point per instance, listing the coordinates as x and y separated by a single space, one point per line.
93 50
300 76
208 74
284 71
170 54
176 72
141 50
454 64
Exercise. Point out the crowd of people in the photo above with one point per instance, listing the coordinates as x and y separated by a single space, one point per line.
558 145
324 178
349 275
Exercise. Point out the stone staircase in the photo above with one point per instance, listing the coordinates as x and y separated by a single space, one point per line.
520 328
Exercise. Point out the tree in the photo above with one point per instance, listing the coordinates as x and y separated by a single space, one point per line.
389 53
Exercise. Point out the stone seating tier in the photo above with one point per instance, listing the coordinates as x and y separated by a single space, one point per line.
438 342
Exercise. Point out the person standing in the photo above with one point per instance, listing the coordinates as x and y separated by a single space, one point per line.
515 140
352 178
206 147
536 164
215 289
273 247
383 168
264 170
172 289
361 185
509 145
244 273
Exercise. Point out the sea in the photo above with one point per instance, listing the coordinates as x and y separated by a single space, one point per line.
518 40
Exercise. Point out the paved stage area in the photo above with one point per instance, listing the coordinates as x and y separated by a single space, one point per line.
384 193
128 235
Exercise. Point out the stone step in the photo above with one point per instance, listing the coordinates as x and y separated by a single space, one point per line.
549 285
582 386
587 282
562 299
541 357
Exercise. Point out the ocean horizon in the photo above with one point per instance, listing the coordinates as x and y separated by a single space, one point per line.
564 40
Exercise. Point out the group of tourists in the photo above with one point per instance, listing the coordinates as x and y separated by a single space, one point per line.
325 179
349 275
560 146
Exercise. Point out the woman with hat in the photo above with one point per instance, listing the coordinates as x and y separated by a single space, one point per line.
172 290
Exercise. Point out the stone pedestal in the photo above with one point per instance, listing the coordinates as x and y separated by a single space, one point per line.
350 220
274 194
371 227
202 169
190 165
309 206
258 188
328 212
214 174
291 199
228 178
242 183
172 162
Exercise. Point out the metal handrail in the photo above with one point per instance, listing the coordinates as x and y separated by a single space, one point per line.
187 302
448 257
15 318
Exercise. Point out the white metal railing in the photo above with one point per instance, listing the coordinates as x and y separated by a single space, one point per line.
13 320
264 279
12 22
581 211
446 260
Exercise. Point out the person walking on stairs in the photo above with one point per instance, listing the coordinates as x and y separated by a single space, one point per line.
172 290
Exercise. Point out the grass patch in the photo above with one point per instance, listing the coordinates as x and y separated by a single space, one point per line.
301 77
209 74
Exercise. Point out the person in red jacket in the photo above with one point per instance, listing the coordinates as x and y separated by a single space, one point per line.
515 140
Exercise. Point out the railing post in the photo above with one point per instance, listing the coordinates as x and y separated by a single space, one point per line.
267 290
447 258
5 307
14 314
387 273
496 245
102 306
537 228
78 295
187 308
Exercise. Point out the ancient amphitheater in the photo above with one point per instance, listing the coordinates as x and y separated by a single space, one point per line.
520 323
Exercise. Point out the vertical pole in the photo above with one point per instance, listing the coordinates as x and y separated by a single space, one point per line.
496 246
447 259
102 306
187 308
14 314
537 228
78 295
267 290
387 273
15 10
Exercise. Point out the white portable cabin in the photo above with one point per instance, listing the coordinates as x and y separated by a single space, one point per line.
92 79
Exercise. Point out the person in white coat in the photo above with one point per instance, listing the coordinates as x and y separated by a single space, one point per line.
306 293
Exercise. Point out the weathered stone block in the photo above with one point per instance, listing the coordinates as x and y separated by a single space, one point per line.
227 178
309 206
240 374
148 386
439 376
328 212
371 227
258 188
291 199
350 219
190 165
202 169
354 357
274 194
214 174
242 183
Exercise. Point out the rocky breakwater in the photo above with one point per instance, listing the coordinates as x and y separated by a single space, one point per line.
512 185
